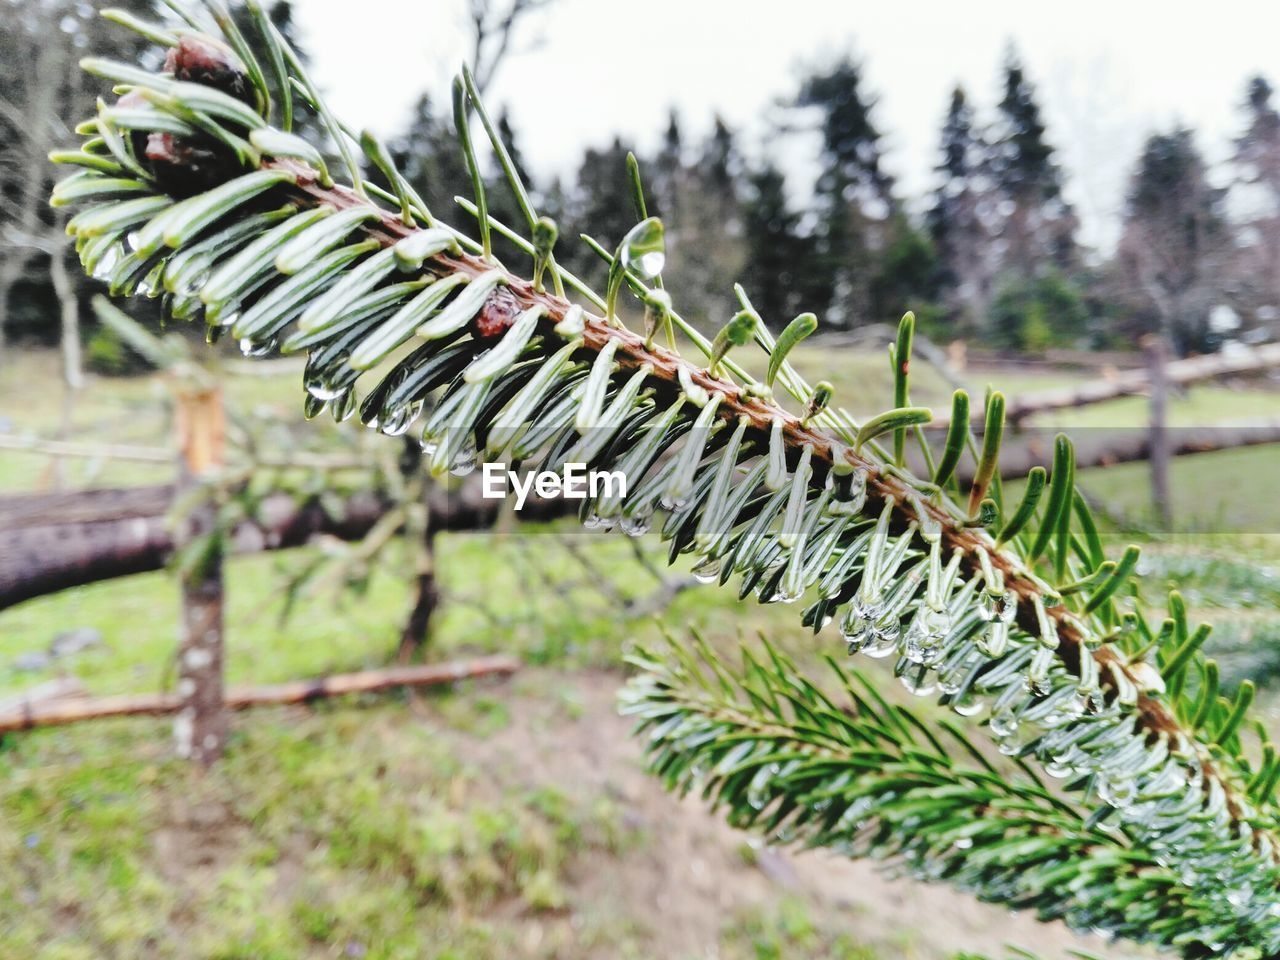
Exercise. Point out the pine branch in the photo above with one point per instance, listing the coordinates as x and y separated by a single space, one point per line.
188 193
853 774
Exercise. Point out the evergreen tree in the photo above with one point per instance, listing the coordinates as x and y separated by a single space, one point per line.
778 254
424 155
669 180
502 201
1039 230
906 275
708 254
957 220
591 206
1256 270
854 193
508 135
1176 240
721 164
39 85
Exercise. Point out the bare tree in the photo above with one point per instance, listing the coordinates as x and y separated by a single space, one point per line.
1256 276
1176 239
41 83
493 28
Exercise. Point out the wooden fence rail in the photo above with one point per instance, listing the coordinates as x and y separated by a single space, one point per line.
44 711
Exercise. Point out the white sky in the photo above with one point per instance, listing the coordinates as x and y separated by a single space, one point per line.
1108 72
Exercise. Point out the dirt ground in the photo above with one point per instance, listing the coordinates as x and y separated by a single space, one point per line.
692 873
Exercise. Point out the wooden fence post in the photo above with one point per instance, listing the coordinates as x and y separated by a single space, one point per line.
200 727
1154 349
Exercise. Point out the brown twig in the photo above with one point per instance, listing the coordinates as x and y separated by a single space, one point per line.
58 712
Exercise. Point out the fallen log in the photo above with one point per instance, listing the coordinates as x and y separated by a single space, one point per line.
1129 383
1107 447
49 542
61 688
59 712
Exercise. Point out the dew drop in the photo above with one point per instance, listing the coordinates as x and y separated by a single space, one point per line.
644 249
1004 724
320 386
673 502
343 406
395 423
968 705
706 570
312 407
919 681
258 348
637 524
108 262
464 461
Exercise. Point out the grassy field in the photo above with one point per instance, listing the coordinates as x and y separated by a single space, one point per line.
506 819
491 820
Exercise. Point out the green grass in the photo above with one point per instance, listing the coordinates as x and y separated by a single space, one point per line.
389 827
112 410
300 844
788 931
1225 492
521 593
355 825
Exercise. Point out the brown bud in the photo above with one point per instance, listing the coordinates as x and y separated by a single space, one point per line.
202 59
497 314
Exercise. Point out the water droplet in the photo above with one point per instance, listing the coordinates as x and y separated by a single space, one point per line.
1038 686
395 423
856 635
648 265
788 593
258 348
994 641
464 461
108 262
636 524
673 502
644 249
1090 703
1004 724
192 284
968 705
758 789
1008 610
1058 770
884 642
322 385
987 605
343 406
1116 791
923 641
706 570
311 407
919 681
850 493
